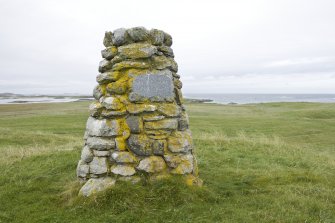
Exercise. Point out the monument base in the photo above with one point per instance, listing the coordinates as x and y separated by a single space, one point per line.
96 185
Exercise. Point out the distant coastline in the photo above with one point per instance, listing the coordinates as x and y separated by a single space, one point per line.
12 98
263 98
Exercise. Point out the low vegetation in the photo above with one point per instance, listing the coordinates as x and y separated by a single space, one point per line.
272 162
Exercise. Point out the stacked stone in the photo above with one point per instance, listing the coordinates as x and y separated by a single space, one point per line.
138 127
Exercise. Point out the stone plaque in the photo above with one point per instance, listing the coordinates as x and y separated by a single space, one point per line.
153 86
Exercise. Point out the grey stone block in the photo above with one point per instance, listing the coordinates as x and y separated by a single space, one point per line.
140 145
98 166
138 34
137 51
96 127
95 185
165 124
119 36
82 169
100 143
86 154
153 86
157 36
109 52
123 170
152 164
135 124
101 153
123 157
180 142
158 146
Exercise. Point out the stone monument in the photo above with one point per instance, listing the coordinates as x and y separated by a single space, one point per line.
138 128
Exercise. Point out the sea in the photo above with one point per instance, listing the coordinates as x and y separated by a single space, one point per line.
263 98
43 99
215 98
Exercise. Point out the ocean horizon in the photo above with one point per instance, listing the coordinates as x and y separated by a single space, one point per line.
223 98
226 98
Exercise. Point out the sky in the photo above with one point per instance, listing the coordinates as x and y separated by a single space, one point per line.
236 46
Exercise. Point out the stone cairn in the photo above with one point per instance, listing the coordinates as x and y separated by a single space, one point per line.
138 127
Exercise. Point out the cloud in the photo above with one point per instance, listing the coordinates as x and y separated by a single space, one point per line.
54 46
301 62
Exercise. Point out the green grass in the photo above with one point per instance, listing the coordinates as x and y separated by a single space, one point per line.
270 162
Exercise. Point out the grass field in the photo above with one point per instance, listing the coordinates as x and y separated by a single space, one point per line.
270 162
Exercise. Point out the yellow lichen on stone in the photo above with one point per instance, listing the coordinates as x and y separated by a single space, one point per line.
162 62
114 50
169 110
130 64
95 108
134 72
158 134
124 157
164 124
114 75
103 89
110 113
137 50
191 180
180 141
180 163
121 144
138 108
112 103
179 96
185 166
123 99
124 128
126 133
117 87
152 164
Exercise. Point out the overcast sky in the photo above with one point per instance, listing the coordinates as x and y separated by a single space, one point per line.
251 46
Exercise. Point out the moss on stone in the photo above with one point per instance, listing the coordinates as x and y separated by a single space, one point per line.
103 89
124 157
164 124
112 103
180 141
192 180
163 62
109 52
130 64
137 51
117 87
108 39
169 109
152 164
157 36
139 108
158 134
95 109
113 114
120 144
167 39
135 72
177 83
108 76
